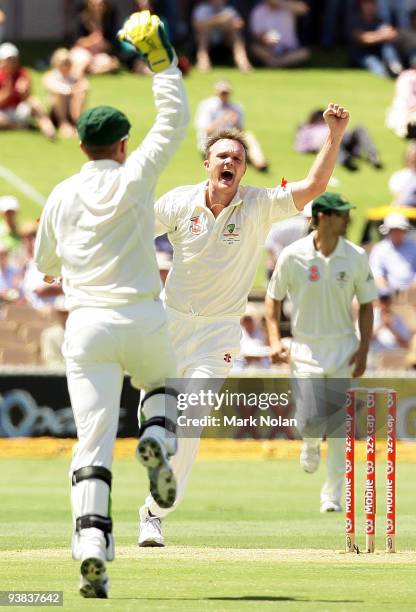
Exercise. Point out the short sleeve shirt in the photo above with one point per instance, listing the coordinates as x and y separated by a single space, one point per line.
322 288
215 259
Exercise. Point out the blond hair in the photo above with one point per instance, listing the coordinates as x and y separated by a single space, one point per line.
60 56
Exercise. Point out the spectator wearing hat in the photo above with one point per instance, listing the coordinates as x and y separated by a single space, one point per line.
217 23
273 30
402 184
393 259
9 231
220 113
17 105
322 274
390 332
67 92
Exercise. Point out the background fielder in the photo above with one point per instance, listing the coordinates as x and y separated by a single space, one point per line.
97 232
322 274
218 230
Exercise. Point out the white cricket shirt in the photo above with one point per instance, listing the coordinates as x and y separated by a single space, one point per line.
322 288
215 259
97 227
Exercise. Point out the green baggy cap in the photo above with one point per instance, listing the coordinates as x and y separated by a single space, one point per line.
328 202
102 125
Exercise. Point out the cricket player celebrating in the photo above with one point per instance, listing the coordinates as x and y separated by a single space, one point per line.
322 274
94 229
218 230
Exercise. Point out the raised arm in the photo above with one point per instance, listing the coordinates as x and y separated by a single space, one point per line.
336 118
147 34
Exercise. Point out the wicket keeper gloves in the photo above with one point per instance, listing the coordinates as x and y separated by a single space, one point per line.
147 33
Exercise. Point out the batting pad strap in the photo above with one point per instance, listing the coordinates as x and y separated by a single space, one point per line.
92 471
160 422
160 391
104 523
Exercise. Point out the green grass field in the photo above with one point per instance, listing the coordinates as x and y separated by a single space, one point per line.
247 536
275 103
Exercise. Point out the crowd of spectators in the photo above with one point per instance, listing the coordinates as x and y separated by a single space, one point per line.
276 33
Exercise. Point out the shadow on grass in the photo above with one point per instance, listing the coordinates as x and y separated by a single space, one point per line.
245 598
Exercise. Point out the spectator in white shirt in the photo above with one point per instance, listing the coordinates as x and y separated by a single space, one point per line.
67 92
273 28
393 259
217 23
390 332
219 113
402 183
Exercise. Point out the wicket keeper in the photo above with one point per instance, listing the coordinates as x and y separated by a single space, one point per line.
96 231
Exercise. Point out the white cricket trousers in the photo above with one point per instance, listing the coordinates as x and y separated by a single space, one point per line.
205 347
320 402
100 345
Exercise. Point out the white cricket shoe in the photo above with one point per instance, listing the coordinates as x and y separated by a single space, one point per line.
150 529
94 579
310 457
330 506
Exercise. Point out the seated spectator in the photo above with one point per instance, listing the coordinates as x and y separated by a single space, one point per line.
401 116
393 259
372 41
390 332
10 276
273 29
284 233
36 291
9 231
219 113
95 48
216 23
67 93
402 183
356 144
17 106
406 42
2 24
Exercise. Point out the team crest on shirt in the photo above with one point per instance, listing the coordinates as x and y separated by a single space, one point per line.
195 226
231 234
342 279
314 274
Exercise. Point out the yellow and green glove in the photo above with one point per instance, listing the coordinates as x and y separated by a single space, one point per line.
147 33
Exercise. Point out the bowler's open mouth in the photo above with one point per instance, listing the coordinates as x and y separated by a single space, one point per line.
227 175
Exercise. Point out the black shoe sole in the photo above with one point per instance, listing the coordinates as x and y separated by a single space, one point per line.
162 480
92 570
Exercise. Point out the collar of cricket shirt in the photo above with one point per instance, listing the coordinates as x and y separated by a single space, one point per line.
202 202
100 164
339 251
